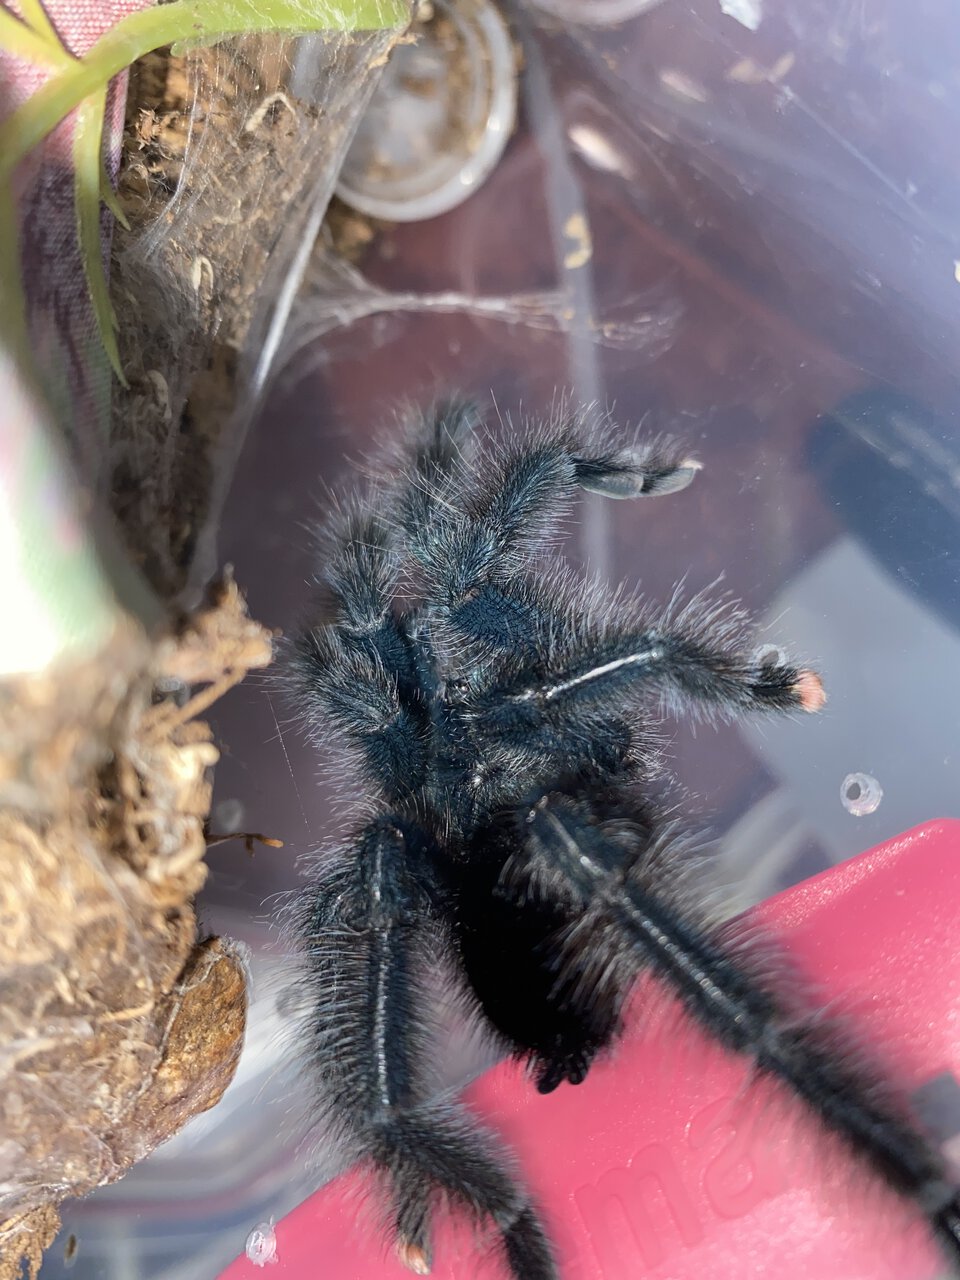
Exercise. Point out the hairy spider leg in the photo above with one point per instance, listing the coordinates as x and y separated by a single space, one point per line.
355 664
624 921
366 667
443 446
702 660
372 937
482 529
558 694
356 660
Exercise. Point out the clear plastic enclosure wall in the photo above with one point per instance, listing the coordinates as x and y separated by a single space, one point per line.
734 220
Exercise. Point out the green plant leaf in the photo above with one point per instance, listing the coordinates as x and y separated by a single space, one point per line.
87 144
32 44
36 16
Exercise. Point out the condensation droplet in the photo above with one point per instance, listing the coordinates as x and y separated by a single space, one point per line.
228 815
860 794
262 1244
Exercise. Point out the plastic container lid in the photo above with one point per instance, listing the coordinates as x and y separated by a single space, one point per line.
440 119
595 13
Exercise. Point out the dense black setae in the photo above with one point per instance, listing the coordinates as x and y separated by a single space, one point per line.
497 709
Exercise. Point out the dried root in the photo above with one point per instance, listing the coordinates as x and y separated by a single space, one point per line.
116 1026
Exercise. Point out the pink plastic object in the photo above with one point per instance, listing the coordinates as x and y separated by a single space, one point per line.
670 1161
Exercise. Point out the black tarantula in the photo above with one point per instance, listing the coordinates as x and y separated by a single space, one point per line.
496 706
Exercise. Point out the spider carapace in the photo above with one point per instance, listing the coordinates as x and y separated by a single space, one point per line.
500 711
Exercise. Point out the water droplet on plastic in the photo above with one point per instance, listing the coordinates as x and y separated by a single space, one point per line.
228 815
262 1244
70 1251
860 794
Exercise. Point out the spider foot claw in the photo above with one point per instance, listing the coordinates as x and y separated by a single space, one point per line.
414 1257
571 1069
809 689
